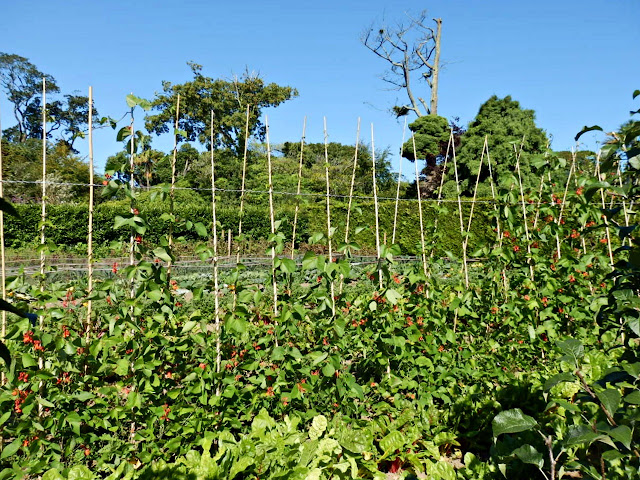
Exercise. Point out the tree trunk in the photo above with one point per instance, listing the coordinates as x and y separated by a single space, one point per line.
433 110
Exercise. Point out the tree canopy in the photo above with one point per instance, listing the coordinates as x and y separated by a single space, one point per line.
22 83
508 128
228 99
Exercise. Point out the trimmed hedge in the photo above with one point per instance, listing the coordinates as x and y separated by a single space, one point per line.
67 224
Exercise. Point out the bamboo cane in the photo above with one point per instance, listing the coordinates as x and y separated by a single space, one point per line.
564 199
353 180
475 194
43 220
295 215
329 229
229 243
395 212
606 220
524 208
3 280
375 205
131 203
172 191
422 241
464 246
216 287
439 200
242 187
90 221
273 225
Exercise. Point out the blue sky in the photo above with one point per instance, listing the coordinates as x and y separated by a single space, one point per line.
574 62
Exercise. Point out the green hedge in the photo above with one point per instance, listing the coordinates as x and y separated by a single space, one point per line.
67 224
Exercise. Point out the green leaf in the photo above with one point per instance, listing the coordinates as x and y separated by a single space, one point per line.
636 93
8 208
162 254
28 360
586 129
80 472
240 466
512 421
633 398
556 379
287 265
393 296
528 454
52 474
122 367
392 442
123 133
201 229
236 324
5 354
328 370
10 449
622 434
572 348
579 435
610 399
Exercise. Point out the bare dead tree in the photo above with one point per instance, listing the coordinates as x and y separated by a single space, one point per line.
412 48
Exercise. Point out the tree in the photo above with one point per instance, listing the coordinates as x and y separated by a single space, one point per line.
412 48
22 83
227 99
508 128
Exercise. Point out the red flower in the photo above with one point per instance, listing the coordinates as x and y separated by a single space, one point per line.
516 248
203 366
114 269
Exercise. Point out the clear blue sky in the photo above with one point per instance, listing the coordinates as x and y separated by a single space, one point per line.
573 62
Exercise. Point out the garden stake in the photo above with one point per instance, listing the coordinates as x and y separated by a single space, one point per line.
606 221
353 180
43 218
3 329
422 243
229 243
564 199
173 185
216 289
475 194
273 227
375 205
503 273
395 213
524 208
329 232
439 201
295 215
244 176
90 221
464 245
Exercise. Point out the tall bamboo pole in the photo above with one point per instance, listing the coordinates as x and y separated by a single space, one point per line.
132 188
329 229
242 187
564 199
172 191
524 208
273 224
503 272
395 212
422 241
216 287
464 245
295 215
439 199
353 181
90 221
606 220
475 195
375 205
3 332
44 184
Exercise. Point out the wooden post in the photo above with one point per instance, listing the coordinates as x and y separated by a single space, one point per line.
606 220
395 212
439 201
216 288
475 194
244 176
295 215
353 180
90 221
43 216
229 243
564 199
375 204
